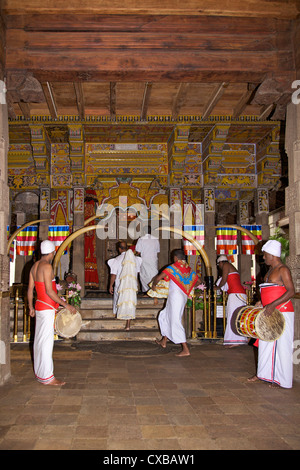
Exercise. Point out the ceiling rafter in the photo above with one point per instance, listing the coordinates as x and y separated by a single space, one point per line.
50 100
179 99
80 99
146 99
243 101
213 100
113 99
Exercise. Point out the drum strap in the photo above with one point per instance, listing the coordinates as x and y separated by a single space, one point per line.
51 306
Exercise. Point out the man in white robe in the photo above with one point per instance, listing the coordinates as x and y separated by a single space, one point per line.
148 247
116 266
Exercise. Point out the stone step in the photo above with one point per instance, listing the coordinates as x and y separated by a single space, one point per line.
107 313
116 324
118 335
99 323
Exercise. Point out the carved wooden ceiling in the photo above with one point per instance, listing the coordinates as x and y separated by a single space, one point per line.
149 58
131 71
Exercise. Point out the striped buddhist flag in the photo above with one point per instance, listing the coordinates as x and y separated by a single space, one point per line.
57 234
197 232
248 246
27 241
226 241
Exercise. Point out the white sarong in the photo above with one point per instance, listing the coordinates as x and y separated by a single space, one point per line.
170 318
233 302
43 345
275 358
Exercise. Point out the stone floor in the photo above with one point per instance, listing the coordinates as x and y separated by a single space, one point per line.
136 396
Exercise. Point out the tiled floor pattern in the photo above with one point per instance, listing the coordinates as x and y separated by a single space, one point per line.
158 402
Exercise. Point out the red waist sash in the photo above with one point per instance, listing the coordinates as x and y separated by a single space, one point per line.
270 292
43 297
234 284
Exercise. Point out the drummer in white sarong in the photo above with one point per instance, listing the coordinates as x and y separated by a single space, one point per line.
41 279
182 280
275 363
230 282
148 246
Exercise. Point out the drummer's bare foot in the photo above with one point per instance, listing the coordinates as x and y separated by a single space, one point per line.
127 326
185 351
56 382
254 378
272 385
162 342
230 346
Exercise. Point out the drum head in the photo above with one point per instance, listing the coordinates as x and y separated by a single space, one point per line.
67 325
270 328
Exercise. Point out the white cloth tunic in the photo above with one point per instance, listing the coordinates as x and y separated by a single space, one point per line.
170 318
148 246
116 266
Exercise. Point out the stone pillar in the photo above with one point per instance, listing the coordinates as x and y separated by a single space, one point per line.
292 210
244 261
78 243
4 259
209 227
45 212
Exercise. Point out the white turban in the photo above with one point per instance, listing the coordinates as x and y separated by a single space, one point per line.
273 247
47 247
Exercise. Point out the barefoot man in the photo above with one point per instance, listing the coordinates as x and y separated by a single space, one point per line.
42 279
275 363
181 282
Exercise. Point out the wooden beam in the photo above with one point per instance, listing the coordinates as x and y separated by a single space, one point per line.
113 99
239 8
179 99
80 99
213 100
49 97
146 99
266 112
25 108
243 101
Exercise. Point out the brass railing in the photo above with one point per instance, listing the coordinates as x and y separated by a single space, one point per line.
210 314
19 298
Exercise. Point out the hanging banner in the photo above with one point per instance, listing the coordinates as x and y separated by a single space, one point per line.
248 245
226 241
197 232
27 241
57 234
